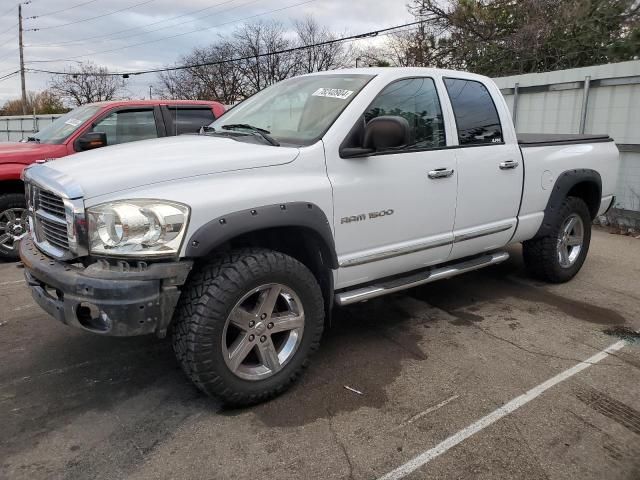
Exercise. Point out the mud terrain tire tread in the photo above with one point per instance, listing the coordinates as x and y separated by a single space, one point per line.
211 292
540 254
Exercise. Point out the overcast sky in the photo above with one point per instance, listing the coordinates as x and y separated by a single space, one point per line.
147 23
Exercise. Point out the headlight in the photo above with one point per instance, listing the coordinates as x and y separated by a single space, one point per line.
137 227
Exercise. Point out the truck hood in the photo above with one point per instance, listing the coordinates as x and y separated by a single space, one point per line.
122 167
29 152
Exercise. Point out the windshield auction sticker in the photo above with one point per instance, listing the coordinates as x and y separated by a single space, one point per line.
73 122
333 93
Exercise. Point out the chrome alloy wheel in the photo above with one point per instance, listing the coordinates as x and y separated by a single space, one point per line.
570 240
263 332
13 223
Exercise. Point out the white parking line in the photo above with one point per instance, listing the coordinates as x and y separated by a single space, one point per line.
425 457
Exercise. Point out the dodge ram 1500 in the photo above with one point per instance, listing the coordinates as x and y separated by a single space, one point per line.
322 190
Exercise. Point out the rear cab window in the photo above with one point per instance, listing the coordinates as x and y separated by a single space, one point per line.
182 119
476 116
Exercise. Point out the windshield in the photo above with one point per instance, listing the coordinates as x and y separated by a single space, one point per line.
297 111
62 127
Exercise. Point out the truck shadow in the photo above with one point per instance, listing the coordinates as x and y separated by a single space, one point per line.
364 350
461 295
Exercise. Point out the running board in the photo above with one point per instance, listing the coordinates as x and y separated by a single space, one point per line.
410 281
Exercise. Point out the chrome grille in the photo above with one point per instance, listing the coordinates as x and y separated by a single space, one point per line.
49 219
54 233
56 213
51 203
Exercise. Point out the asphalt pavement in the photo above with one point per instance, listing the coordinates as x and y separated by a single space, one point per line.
436 380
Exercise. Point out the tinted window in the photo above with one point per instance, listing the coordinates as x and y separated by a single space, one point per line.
188 120
127 126
415 99
476 115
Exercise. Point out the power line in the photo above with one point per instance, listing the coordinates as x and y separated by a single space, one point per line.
7 11
81 40
10 28
5 77
176 35
90 18
10 53
7 71
63 9
374 33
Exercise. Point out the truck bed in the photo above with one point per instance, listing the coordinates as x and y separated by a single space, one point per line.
545 139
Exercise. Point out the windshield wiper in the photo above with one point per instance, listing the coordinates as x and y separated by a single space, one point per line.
33 139
260 131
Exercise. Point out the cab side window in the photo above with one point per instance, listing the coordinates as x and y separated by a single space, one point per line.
128 126
188 120
476 115
416 100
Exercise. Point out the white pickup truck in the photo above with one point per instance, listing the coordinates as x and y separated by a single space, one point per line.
322 190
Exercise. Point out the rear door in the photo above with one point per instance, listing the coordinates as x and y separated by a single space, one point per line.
181 119
490 169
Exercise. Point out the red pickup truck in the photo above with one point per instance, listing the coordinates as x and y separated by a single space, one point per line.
89 126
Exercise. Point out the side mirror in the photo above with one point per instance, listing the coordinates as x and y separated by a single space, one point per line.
91 140
386 132
381 133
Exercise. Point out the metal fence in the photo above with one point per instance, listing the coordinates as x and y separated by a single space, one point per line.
17 127
598 99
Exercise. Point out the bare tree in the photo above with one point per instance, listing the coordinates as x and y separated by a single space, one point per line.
257 43
253 57
318 58
86 84
220 80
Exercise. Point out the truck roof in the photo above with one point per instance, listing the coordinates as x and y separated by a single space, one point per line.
119 103
399 72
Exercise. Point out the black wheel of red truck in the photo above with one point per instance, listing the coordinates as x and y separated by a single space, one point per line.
247 324
559 256
13 223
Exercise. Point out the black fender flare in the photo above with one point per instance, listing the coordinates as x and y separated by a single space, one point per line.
564 183
291 214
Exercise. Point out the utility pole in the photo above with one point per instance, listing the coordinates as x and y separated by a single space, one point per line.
22 84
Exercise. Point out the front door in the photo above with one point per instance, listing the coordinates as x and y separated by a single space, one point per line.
394 210
490 171
128 125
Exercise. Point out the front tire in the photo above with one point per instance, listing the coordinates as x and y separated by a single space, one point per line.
13 223
559 256
247 323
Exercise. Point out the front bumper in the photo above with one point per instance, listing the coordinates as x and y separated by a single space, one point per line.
120 300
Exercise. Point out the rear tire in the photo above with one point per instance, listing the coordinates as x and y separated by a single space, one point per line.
247 323
559 256
13 222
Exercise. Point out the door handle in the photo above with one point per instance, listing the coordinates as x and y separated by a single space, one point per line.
440 173
509 164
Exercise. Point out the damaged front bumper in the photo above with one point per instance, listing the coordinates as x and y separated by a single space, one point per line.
120 300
